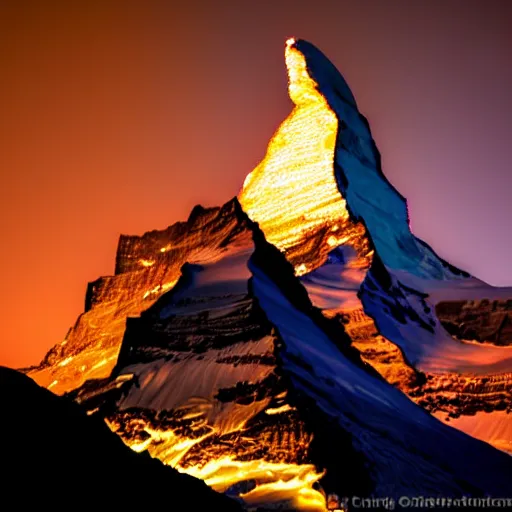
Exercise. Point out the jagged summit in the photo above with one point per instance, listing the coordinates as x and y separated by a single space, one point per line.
136 252
323 164
147 267
322 70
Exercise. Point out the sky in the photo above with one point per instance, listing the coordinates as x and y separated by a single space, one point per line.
119 117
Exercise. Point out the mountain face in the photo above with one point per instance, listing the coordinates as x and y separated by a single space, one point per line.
480 320
235 372
380 280
300 341
198 384
146 267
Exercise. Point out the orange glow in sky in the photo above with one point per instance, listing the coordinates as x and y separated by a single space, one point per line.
118 118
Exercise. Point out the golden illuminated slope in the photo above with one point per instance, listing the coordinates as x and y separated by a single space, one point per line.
293 196
236 460
149 266
293 192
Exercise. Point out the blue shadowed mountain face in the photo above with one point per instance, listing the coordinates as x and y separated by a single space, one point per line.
370 197
236 365
405 450
406 279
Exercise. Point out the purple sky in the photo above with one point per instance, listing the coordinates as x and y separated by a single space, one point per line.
117 118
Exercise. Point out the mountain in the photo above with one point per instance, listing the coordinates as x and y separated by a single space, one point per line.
300 340
235 372
56 456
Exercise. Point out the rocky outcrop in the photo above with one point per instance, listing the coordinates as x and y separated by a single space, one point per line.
481 320
146 268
